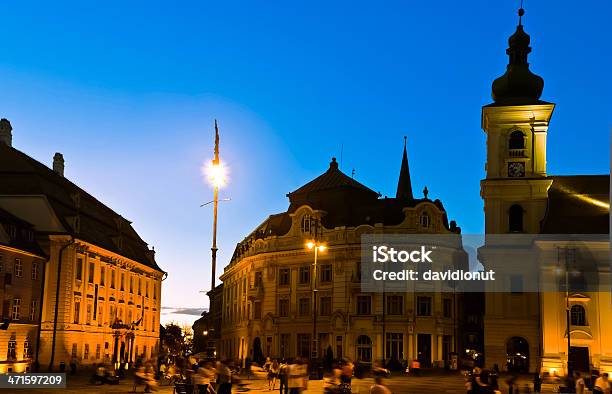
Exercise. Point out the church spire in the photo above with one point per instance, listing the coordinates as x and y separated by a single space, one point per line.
404 186
518 85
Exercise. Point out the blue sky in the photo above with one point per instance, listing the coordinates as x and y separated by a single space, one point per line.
128 92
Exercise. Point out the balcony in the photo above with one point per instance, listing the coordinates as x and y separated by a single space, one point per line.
517 152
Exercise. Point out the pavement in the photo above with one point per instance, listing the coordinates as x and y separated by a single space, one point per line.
401 384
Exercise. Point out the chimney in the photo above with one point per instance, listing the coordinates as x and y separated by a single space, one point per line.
58 163
6 136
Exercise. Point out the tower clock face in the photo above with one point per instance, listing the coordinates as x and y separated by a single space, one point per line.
516 169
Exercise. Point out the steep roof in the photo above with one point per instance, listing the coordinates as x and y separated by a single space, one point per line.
21 240
97 223
578 204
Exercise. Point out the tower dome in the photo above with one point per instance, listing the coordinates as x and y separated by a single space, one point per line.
518 85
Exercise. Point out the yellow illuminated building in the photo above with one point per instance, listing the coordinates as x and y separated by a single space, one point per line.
527 331
101 273
267 298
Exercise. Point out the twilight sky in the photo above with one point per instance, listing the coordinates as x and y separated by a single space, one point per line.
128 93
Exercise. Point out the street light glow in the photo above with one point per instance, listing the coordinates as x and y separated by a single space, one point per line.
322 248
310 245
216 174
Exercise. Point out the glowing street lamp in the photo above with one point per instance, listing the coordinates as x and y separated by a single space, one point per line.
318 248
217 177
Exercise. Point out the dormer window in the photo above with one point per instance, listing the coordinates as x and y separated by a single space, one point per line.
306 223
425 220
578 315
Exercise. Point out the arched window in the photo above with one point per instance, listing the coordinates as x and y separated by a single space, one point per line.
425 220
517 140
364 349
515 219
306 222
578 315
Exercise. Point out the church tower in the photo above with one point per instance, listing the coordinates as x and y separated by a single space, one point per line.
516 124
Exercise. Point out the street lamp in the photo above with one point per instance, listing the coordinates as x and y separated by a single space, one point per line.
217 178
318 248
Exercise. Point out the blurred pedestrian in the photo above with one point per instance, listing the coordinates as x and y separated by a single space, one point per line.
602 385
283 374
379 387
580 385
537 382
298 377
224 378
273 374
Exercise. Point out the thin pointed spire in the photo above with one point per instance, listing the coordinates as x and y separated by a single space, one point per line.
404 186
521 12
216 159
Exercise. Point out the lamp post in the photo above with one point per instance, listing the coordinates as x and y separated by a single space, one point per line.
317 247
567 254
216 174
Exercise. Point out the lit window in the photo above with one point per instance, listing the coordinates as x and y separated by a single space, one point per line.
16 308
423 306
77 311
34 270
18 268
79 269
92 268
33 310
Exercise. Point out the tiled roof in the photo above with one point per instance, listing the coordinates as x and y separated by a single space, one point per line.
98 224
21 241
578 204
331 179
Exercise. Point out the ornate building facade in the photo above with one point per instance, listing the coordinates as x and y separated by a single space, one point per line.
21 279
267 300
528 330
102 286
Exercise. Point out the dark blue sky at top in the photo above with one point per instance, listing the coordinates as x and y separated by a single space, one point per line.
128 92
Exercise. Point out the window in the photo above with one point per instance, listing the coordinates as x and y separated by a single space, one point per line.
86 352
74 350
364 348
423 306
424 220
395 305
284 277
258 282
131 284
89 312
395 346
154 291
447 308
257 310
79 269
515 219
27 350
33 310
98 351
92 271
306 223
139 286
11 353
578 315
303 345
112 314
16 308
122 283
326 273
326 306
364 305
304 306
304 275
516 140
112 284
18 268
77 309
100 313
285 340
516 284
34 270
283 307
102 275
